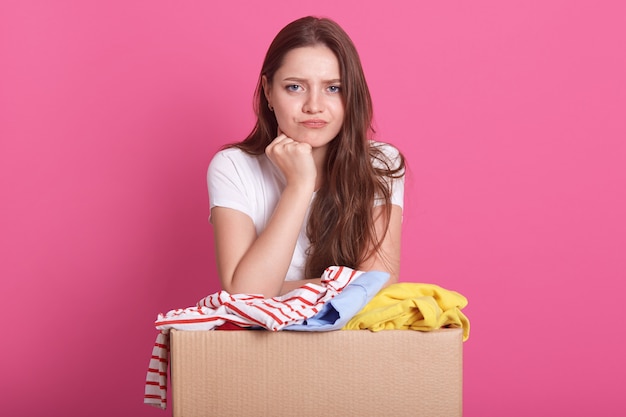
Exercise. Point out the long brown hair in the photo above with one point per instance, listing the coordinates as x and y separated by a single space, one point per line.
341 226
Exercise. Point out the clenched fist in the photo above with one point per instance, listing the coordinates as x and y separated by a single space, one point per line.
294 159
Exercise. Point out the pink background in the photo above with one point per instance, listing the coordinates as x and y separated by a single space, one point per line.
511 115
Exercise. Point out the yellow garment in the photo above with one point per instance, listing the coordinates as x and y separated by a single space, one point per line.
411 306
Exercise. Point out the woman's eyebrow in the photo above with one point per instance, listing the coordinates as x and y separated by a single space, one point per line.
305 80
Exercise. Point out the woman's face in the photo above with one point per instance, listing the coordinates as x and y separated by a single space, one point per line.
306 95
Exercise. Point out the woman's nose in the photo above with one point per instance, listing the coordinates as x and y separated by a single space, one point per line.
314 103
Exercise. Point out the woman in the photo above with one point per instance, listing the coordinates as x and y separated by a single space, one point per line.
307 188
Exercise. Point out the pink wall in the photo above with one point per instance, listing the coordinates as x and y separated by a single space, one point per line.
511 114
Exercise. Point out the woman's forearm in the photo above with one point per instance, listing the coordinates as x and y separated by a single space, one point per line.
263 267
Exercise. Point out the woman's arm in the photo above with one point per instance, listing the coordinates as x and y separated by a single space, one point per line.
248 263
258 265
387 259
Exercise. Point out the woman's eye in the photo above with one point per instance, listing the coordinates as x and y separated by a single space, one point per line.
293 87
334 89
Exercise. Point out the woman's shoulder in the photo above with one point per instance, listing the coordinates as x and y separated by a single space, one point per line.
234 162
233 153
231 157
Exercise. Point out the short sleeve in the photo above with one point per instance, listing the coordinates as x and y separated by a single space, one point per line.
226 184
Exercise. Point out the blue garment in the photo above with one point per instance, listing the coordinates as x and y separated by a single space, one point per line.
337 312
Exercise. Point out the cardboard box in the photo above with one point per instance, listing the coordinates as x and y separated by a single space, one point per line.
341 373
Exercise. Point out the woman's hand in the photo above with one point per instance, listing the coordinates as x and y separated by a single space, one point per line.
294 159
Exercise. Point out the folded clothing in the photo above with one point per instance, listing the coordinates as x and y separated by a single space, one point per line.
412 306
339 310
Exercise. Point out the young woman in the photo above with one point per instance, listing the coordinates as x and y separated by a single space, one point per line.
307 188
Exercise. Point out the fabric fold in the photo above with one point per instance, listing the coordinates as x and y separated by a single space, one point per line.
338 311
412 306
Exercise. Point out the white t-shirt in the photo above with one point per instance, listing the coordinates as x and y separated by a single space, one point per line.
253 185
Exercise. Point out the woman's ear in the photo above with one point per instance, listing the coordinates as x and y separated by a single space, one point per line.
266 88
